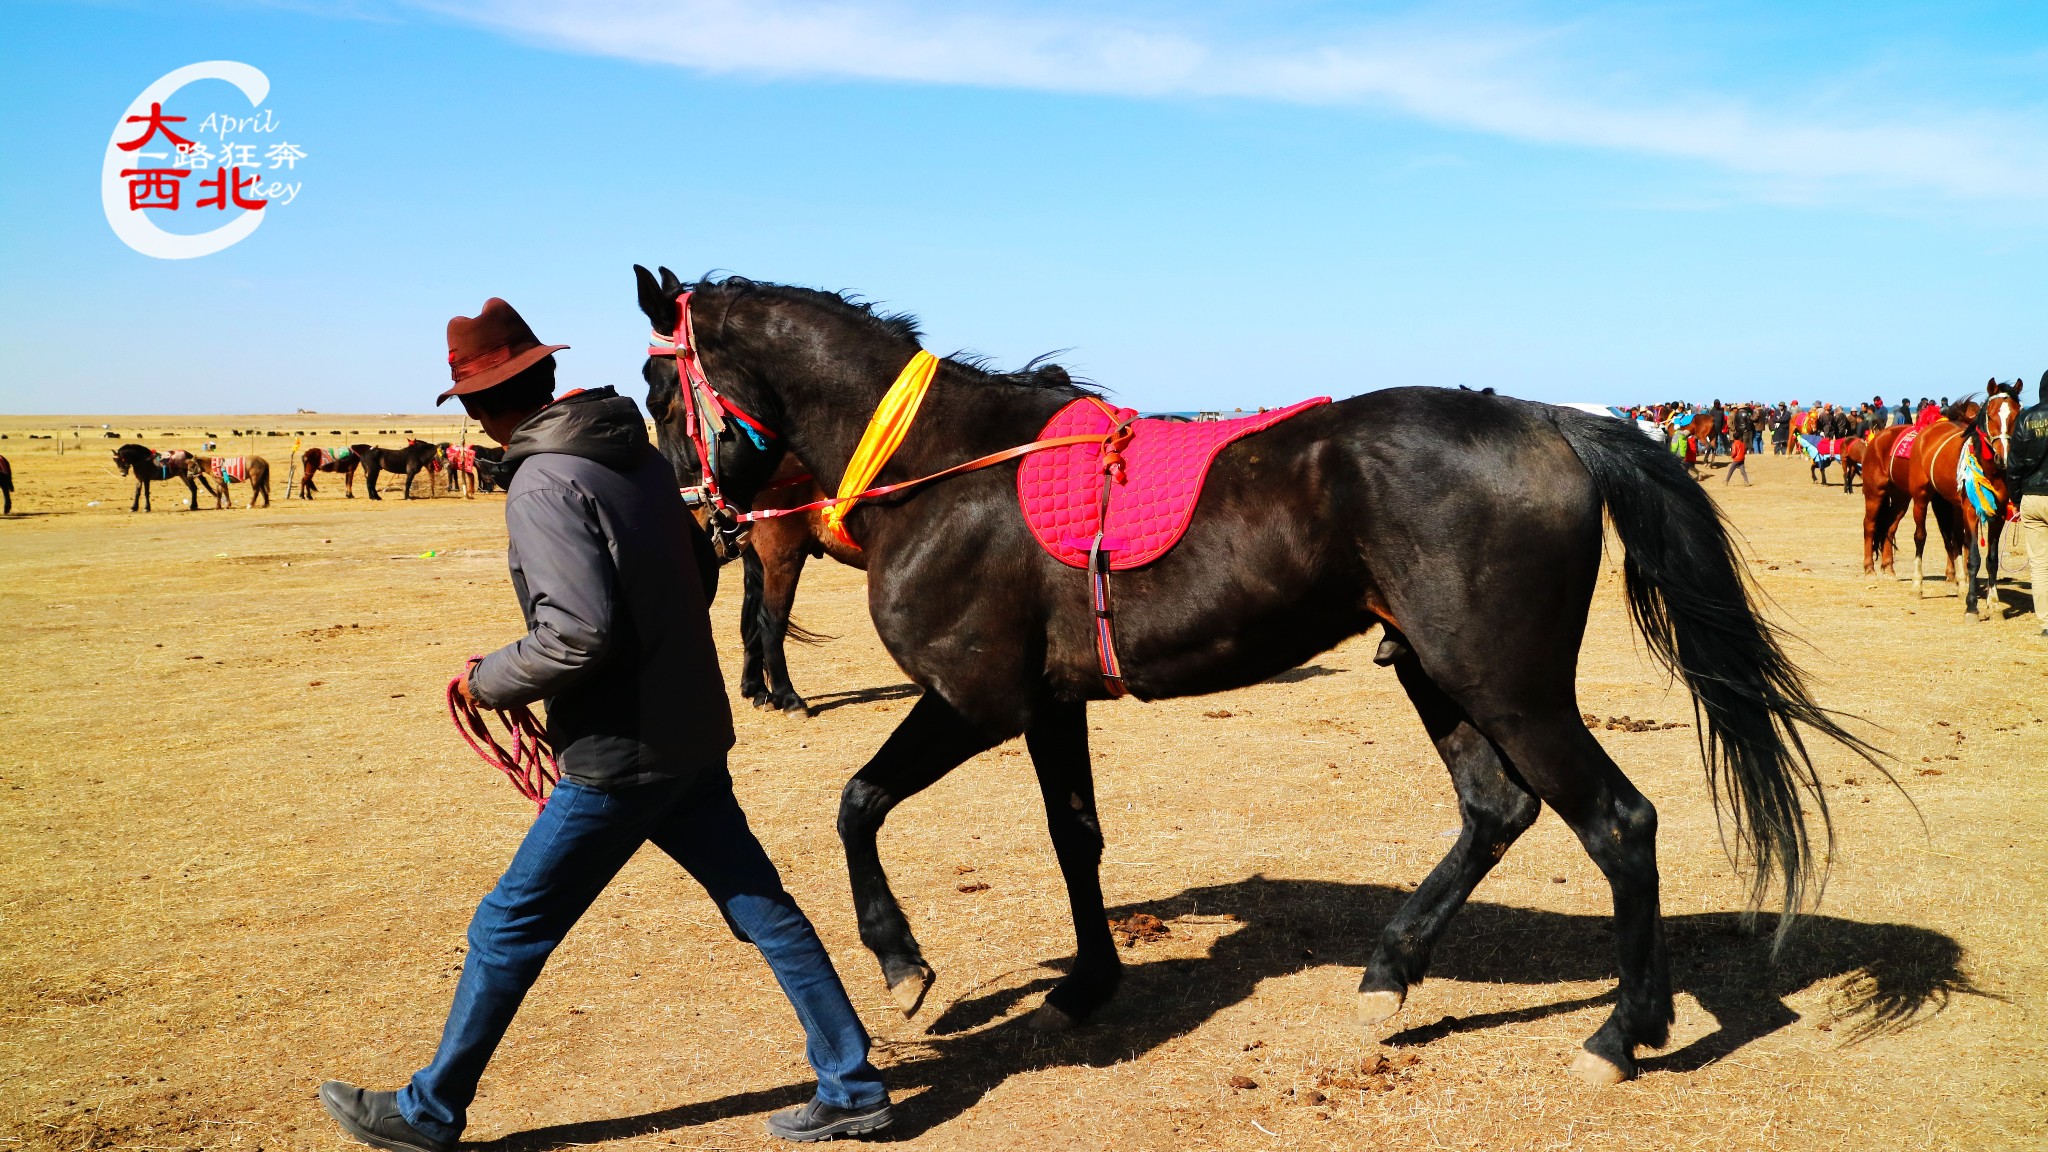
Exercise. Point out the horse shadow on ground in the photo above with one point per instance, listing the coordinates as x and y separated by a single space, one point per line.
1882 977
827 701
1305 672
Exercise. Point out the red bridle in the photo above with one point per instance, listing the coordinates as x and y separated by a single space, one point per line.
702 404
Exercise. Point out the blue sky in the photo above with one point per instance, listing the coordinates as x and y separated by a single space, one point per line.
1205 203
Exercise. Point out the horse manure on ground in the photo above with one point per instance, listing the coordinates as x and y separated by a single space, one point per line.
1139 927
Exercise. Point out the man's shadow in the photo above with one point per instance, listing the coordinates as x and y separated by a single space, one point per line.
1886 977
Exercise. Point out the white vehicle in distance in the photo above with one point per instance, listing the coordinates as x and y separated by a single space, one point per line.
1648 428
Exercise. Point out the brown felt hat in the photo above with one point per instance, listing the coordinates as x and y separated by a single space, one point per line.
490 348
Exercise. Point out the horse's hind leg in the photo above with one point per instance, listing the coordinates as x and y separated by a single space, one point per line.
1920 543
753 684
782 567
1494 807
932 741
1567 767
1058 739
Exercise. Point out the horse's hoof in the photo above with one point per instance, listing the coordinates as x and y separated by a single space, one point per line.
1047 1018
800 710
1378 1007
909 991
1597 1070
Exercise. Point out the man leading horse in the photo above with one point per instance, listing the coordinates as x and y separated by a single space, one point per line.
614 579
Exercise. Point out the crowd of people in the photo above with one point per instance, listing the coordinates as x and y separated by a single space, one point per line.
1700 432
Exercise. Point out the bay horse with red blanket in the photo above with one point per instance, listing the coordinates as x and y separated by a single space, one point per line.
1948 459
1466 526
314 460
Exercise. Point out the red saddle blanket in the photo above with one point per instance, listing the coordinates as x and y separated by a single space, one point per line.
1165 463
234 468
1904 445
462 458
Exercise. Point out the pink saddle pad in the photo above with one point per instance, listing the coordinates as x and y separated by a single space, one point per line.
1904 447
1165 463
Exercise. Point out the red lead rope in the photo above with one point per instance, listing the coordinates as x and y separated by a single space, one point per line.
529 763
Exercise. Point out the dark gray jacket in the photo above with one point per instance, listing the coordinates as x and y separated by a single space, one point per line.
604 560
2028 452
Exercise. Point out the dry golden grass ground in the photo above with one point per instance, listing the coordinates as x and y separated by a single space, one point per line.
239 846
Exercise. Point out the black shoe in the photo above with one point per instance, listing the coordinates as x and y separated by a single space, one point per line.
818 1120
374 1118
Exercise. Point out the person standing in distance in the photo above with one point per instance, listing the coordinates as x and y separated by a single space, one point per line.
614 579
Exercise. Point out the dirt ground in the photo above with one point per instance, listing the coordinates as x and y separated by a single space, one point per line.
240 844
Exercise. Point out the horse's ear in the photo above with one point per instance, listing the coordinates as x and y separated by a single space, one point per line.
659 306
670 282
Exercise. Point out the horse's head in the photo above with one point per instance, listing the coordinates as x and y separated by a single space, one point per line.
740 464
2000 413
132 456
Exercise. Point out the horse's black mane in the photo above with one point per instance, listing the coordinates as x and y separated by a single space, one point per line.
901 325
1038 372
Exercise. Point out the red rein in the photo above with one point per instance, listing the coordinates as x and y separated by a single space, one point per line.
529 763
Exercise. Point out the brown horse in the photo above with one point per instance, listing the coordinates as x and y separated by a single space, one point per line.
321 460
149 466
774 562
1883 499
6 487
1852 452
225 468
1931 477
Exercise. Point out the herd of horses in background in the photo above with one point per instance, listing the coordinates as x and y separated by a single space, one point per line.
469 469
1954 467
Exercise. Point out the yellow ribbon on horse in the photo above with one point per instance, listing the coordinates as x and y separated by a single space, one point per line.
885 432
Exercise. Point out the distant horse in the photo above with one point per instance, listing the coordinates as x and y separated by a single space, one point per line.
411 460
1467 526
1933 477
6 487
1884 498
321 460
1852 452
462 475
772 561
488 458
148 467
230 470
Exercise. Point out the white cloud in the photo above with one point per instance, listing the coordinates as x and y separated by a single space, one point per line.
1514 82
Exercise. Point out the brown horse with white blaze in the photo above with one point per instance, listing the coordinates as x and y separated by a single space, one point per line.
1933 476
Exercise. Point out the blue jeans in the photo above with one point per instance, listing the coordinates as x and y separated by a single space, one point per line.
572 851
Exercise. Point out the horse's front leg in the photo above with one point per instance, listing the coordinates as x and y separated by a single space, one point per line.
141 493
1970 570
1993 529
932 741
1058 739
192 505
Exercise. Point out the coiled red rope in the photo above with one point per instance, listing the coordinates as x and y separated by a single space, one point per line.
529 763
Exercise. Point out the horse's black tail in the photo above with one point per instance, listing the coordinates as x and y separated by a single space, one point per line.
798 634
1691 595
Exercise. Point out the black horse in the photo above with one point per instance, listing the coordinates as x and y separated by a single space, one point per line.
6 487
416 455
1468 526
148 467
